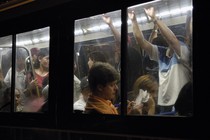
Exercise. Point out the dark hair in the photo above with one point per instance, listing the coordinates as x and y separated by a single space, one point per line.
34 51
21 53
160 41
43 52
97 56
101 74
184 102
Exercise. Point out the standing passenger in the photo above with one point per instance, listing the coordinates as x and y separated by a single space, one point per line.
40 79
20 76
173 73
42 71
96 56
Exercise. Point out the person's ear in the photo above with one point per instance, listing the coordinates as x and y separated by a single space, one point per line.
100 87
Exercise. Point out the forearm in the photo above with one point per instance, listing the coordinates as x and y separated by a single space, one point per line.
168 35
142 42
153 33
137 32
116 34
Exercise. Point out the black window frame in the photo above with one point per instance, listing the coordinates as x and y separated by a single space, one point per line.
61 19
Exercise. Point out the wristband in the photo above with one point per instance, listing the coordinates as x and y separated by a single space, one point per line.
155 31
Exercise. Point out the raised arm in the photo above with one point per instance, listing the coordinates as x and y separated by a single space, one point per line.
154 33
115 32
164 30
143 43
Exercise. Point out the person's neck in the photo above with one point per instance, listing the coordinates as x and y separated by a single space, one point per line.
42 71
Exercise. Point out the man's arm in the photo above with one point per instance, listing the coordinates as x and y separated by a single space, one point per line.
142 42
115 32
164 30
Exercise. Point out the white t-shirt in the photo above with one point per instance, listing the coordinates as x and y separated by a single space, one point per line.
80 104
173 73
77 89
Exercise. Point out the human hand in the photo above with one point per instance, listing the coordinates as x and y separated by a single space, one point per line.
131 15
150 12
106 19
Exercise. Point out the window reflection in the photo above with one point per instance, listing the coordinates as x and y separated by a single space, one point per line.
161 36
97 39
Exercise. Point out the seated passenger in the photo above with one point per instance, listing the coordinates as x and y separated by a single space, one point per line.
79 105
103 79
144 94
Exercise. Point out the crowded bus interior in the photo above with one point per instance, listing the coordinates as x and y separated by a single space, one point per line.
132 67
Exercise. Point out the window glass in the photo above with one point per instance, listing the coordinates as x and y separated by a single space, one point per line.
32 71
97 39
5 64
160 58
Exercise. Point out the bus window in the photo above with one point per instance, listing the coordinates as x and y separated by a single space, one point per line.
32 71
5 64
161 33
97 39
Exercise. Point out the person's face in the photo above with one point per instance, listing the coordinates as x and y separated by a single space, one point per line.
90 63
17 97
44 61
109 91
34 58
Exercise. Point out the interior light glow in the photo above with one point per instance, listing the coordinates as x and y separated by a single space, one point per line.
35 40
23 43
78 32
164 14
